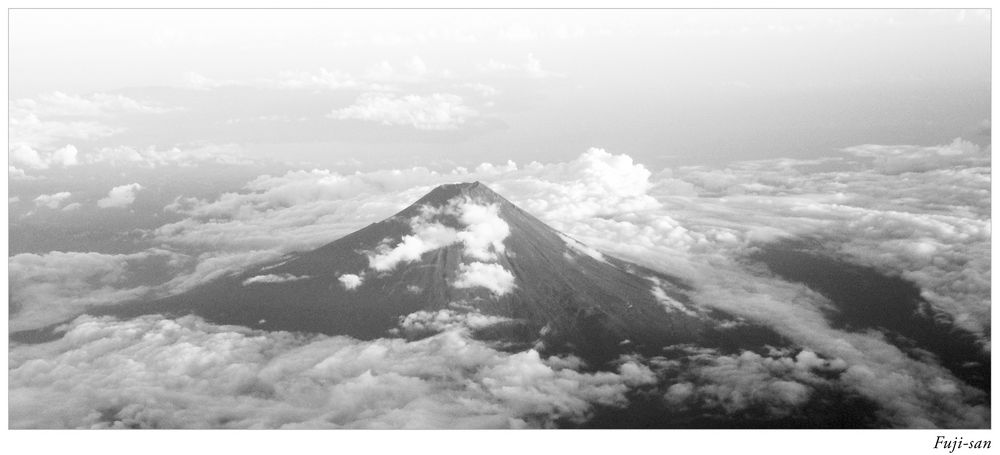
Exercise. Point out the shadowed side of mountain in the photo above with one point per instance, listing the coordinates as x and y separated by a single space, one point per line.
866 299
460 251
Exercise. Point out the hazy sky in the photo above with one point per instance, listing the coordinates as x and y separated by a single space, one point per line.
370 89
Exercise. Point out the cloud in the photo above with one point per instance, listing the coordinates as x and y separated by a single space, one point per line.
383 76
669 303
272 278
434 112
22 158
120 196
898 159
321 79
580 248
426 237
324 79
185 373
52 201
150 157
482 234
484 231
426 322
59 104
490 276
55 286
27 157
776 384
696 223
37 124
531 67
350 281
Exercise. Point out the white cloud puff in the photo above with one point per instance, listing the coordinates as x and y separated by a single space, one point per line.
437 111
272 278
26 157
160 373
120 196
52 201
350 281
484 231
482 234
490 276
423 322
426 237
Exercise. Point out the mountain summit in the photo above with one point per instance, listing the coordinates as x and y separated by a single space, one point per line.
462 254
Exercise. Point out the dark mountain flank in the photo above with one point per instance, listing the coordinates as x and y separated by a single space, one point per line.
459 253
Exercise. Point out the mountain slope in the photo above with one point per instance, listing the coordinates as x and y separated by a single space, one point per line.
460 252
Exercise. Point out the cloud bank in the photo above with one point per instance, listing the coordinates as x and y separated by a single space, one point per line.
931 228
161 373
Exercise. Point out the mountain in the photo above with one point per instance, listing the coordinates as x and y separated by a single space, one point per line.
461 253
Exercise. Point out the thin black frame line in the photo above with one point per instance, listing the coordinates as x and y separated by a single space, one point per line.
410 8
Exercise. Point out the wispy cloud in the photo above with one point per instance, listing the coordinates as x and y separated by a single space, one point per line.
436 111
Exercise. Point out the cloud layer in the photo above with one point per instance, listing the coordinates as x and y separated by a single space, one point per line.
160 373
879 206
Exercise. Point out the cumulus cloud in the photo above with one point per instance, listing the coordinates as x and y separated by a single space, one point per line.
776 383
482 234
272 278
490 276
436 111
426 237
596 184
350 281
484 231
52 201
161 373
36 125
24 157
120 196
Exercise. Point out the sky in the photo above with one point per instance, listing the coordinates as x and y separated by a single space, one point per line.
432 87
152 151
